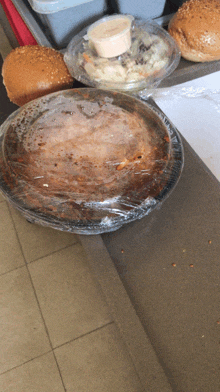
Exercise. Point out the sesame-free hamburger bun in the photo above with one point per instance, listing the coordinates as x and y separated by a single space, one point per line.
32 71
196 29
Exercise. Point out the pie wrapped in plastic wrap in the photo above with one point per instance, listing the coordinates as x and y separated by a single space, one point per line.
88 161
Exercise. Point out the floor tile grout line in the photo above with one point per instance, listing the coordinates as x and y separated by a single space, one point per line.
52 351
58 368
51 253
36 297
54 354
24 363
9 210
11 270
33 261
82 336
46 255
45 326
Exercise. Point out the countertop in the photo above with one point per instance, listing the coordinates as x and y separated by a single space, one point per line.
169 266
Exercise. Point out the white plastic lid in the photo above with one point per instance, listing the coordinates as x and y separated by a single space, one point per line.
51 6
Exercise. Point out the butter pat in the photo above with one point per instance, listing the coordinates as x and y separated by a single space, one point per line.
111 36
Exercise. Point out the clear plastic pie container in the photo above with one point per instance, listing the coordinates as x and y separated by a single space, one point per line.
88 161
152 56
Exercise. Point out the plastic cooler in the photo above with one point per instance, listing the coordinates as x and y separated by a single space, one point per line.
63 19
142 9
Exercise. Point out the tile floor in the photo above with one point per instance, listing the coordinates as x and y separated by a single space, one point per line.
56 333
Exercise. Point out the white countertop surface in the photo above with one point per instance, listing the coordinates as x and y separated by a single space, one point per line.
194 108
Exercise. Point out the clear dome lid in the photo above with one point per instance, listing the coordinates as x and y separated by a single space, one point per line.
152 56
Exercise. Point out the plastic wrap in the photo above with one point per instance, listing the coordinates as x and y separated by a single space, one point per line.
194 107
88 161
153 55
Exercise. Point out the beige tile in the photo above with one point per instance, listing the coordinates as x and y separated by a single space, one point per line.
38 375
22 332
38 241
10 251
97 362
68 295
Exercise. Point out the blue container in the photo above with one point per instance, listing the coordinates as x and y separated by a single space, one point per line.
142 8
62 19
66 18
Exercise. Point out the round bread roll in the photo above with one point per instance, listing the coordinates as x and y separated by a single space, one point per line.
33 71
196 29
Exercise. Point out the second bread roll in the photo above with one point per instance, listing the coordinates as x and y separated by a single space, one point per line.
196 29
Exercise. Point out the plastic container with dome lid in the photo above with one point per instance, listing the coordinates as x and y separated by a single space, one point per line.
152 56
88 161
